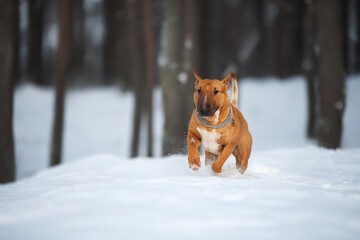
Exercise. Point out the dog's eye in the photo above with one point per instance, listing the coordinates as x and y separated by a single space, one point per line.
199 90
216 91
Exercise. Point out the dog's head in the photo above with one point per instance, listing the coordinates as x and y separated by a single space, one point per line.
210 95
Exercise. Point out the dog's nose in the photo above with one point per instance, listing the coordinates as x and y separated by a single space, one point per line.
204 112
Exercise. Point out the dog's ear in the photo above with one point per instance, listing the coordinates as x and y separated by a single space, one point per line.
226 80
198 79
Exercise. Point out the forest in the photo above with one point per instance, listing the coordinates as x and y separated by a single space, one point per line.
141 45
96 98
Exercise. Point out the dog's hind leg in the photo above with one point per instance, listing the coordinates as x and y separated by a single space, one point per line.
242 155
210 157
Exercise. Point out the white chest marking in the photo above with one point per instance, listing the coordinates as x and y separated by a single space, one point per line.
217 113
209 140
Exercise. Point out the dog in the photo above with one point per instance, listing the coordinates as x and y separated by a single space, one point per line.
218 125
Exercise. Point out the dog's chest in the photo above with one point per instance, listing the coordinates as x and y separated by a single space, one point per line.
209 140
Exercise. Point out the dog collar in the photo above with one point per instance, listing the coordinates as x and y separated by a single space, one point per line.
207 124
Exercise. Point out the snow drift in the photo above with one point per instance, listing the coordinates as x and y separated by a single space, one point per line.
285 194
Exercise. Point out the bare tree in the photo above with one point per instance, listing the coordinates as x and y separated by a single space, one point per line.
352 33
273 36
116 47
8 39
149 42
310 65
78 40
191 52
174 60
35 41
357 47
63 59
291 30
136 60
49 48
212 38
252 48
331 73
344 30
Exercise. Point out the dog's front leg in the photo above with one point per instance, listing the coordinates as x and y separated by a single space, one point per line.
210 158
194 155
224 155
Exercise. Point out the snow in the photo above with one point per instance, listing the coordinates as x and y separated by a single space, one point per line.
285 194
273 106
291 190
97 120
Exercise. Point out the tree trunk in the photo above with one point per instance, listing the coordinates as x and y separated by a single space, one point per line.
356 64
63 59
235 32
136 60
357 58
49 49
78 40
174 88
190 61
9 14
150 69
273 38
352 35
35 36
251 54
212 39
116 46
331 73
310 65
290 49
344 33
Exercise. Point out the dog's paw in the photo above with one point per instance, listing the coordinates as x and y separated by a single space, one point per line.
240 168
195 164
194 167
216 168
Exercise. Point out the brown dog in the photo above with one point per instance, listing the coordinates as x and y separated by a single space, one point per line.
218 125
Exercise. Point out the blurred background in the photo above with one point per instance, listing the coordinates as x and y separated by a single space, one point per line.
86 77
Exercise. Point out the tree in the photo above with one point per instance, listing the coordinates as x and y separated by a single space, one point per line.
174 60
357 47
273 37
191 54
63 58
212 38
49 48
35 41
78 40
116 47
331 73
310 65
252 49
149 42
136 60
290 41
8 39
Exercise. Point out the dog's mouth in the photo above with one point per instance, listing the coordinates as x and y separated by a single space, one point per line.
207 112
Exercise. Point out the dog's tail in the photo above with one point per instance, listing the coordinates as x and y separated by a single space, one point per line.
234 90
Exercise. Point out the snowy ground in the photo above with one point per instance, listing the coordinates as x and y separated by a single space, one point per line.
305 193
292 189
